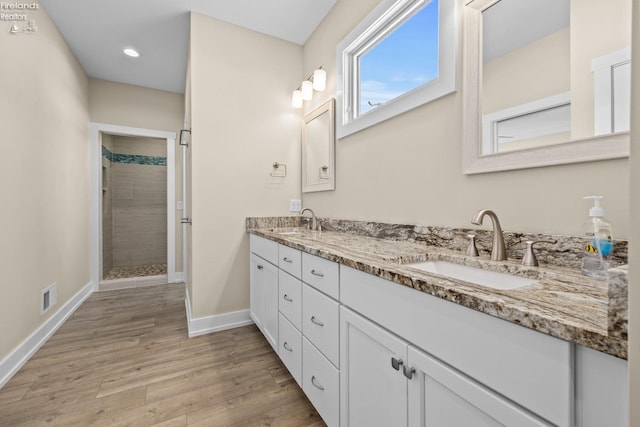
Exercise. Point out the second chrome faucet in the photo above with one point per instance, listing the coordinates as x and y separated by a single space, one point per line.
498 249
313 224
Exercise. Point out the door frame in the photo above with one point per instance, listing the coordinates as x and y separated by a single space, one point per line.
95 224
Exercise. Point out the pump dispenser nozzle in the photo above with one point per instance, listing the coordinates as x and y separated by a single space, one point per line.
596 210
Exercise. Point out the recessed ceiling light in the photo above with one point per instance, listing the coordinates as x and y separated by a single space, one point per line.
131 52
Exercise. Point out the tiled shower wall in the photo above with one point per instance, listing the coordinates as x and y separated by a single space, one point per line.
138 202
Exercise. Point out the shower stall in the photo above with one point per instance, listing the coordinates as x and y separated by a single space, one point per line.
134 209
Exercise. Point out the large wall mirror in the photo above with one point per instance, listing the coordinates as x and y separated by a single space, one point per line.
318 144
545 82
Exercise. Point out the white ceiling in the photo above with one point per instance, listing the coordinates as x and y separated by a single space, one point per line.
98 31
508 25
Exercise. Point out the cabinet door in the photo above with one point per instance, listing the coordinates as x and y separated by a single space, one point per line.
440 396
270 282
372 391
601 389
256 287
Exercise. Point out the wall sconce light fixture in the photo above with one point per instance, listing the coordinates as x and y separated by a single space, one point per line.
316 81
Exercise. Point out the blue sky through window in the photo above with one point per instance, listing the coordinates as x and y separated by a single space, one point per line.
404 60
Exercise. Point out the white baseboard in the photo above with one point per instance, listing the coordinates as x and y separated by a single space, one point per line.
21 354
178 277
218 322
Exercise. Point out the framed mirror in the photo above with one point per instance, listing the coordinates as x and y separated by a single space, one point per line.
545 82
318 145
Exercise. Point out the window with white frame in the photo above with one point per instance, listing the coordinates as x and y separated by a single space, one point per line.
400 56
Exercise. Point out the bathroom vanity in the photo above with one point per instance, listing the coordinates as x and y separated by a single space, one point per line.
374 340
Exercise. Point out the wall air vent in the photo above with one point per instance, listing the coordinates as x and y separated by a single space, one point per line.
49 298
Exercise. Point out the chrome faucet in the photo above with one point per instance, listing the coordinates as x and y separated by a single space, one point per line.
313 225
498 250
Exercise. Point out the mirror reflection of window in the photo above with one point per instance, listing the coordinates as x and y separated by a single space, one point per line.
525 59
542 127
537 49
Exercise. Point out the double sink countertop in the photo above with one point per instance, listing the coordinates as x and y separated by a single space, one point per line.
563 303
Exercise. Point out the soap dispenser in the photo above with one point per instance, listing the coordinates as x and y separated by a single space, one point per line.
597 245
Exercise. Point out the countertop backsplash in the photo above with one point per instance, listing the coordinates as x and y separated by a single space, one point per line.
567 252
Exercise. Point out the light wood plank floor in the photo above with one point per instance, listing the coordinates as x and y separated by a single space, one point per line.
124 359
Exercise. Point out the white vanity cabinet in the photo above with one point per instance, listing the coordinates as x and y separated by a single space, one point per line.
370 352
264 287
387 382
300 320
532 370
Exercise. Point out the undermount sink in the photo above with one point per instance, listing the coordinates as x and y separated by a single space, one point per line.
490 279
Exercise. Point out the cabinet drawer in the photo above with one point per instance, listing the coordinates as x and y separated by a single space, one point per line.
321 382
290 349
290 299
322 274
290 260
264 248
320 322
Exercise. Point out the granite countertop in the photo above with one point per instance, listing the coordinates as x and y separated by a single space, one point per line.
563 304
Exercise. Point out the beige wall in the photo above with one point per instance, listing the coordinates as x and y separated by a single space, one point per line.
536 70
44 177
408 169
242 122
634 249
134 106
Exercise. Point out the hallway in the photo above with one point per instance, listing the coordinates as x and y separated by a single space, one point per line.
124 359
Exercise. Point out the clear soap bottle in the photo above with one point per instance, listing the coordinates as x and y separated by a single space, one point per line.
597 234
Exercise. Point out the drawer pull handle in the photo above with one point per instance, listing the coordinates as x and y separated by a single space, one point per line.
316 321
317 273
260 267
286 346
396 363
285 259
408 372
287 298
315 383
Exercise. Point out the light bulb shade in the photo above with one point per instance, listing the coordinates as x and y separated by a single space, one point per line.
319 80
307 90
296 99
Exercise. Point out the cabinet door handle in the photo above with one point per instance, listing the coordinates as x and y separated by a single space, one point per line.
317 273
316 321
287 298
286 346
408 372
315 383
260 267
396 363
285 259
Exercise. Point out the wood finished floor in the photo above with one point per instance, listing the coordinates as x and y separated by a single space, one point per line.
124 359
